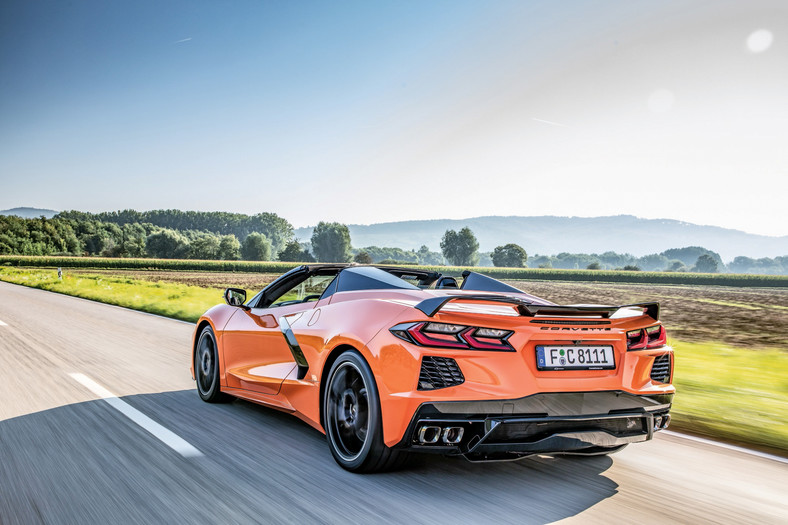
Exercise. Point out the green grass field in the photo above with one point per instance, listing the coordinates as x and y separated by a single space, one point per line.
724 392
178 301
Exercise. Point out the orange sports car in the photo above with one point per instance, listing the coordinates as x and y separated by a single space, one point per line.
388 361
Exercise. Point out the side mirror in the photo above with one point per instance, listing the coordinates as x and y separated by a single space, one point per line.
235 297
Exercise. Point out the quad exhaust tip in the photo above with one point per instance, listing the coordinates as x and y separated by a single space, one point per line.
661 422
430 435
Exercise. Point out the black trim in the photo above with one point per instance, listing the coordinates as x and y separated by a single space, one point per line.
584 322
555 405
482 283
287 280
295 348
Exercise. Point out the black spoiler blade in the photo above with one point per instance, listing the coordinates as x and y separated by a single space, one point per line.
433 305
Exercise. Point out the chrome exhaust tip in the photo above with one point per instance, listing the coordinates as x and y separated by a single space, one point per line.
453 435
429 435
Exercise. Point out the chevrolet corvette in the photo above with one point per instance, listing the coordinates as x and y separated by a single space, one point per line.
389 361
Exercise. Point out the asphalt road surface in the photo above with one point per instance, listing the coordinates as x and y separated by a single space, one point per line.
157 454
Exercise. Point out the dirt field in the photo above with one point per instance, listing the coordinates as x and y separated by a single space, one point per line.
747 317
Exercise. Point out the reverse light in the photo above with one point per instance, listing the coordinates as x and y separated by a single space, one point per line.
441 328
442 335
647 338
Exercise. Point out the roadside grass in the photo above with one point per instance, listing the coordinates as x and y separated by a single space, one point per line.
724 392
178 301
737 394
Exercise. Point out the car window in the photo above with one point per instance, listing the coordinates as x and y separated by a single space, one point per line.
307 290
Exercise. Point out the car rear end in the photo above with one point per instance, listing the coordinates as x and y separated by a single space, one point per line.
496 380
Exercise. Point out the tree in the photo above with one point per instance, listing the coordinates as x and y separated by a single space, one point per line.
167 244
690 254
256 247
204 246
706 264
275 228
294 252
653 262
331 242
133 242
509 255
593 266
676 266
425 256
742 264
363 257
229 248
631 268
460 248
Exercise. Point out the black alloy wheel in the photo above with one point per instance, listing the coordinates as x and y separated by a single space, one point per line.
206 368
352 422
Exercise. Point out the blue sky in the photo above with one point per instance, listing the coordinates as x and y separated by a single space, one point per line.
367 112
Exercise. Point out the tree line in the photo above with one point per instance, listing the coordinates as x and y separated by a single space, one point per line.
175 234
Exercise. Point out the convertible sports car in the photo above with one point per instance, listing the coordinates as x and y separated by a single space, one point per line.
387 361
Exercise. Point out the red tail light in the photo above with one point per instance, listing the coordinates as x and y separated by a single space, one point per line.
441 335
646 338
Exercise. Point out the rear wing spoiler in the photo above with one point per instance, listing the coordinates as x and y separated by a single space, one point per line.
433 305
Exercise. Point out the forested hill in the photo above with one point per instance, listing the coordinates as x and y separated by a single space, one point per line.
275 228
29 213
553 235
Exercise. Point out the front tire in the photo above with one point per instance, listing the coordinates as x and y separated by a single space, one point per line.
352 418
206 368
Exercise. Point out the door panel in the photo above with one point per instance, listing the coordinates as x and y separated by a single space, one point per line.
257 356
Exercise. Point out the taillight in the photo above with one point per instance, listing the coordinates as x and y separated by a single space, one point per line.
442 335
646 338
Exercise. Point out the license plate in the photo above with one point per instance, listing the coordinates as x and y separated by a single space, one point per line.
555 357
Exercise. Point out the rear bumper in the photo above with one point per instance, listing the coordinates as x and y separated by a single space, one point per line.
580 422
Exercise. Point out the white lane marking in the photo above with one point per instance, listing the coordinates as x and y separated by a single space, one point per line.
2 323
726 446
169 438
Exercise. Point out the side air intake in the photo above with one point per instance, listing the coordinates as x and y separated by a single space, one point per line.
660 370
439 372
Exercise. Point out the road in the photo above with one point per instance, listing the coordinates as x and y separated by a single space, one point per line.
69 456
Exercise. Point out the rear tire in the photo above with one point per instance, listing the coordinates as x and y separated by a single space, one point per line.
351 408
206 368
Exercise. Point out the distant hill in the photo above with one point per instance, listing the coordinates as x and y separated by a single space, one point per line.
550 235
29 213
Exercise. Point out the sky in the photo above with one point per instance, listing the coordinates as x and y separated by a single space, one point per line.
366 112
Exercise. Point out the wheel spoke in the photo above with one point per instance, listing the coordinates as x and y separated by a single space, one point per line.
338 385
